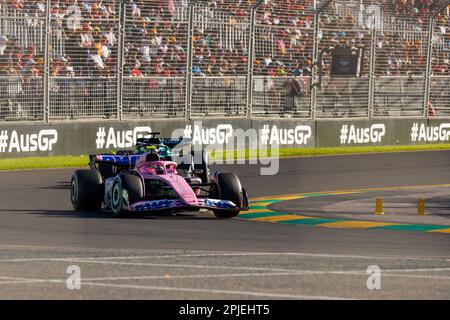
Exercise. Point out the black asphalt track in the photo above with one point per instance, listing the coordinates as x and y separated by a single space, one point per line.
37 223
35 209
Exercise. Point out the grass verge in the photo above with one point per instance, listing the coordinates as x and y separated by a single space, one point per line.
43 163
81 161
309 152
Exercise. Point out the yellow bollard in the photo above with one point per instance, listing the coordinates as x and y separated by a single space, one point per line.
379 206
421 207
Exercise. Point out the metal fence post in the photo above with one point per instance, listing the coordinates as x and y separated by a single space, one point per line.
46 105
190 54
429 71
251 59
315 65
315 56
120 59
372 63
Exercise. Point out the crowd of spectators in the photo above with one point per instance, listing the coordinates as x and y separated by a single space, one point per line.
85 37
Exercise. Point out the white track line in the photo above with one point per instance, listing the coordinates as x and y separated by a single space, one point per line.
13 282
19 280
168 265
194 266
269 272
238 254
177 289
223 292
417 270
181 266
245 254
225 253
181 289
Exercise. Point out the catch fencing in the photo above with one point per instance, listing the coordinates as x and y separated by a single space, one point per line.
138 60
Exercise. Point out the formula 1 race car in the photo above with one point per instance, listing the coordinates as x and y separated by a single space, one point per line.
168 149
154 185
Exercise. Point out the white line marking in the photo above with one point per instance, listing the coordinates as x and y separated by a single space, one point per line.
194 276
300 273
15 282
240 268
237 254
418 270
218 291
272 271
182 289
172 265
30 281
18 280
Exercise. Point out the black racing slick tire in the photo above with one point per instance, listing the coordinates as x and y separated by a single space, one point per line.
126 189
87 190
229 188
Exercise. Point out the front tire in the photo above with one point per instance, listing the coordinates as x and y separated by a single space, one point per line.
126 190
86 190
229 188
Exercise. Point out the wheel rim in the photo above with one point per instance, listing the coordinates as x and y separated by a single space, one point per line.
116 198
74 191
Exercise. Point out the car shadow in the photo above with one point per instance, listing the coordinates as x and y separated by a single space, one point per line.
104 214
438 206
59 186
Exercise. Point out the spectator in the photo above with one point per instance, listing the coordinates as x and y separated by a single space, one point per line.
158 29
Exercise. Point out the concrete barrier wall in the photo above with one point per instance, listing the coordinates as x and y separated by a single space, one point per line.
20 140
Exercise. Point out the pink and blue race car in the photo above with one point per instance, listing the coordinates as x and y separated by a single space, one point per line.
154 185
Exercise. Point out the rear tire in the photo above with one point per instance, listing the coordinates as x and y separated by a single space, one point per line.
229 188
126 189
87 190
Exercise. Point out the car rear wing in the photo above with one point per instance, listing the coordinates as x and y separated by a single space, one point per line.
152 138
172 143
122 161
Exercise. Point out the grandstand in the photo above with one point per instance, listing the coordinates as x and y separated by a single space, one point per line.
142 59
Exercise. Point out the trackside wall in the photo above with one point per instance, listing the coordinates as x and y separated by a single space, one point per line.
74 138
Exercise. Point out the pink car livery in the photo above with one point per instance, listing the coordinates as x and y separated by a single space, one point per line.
155 186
